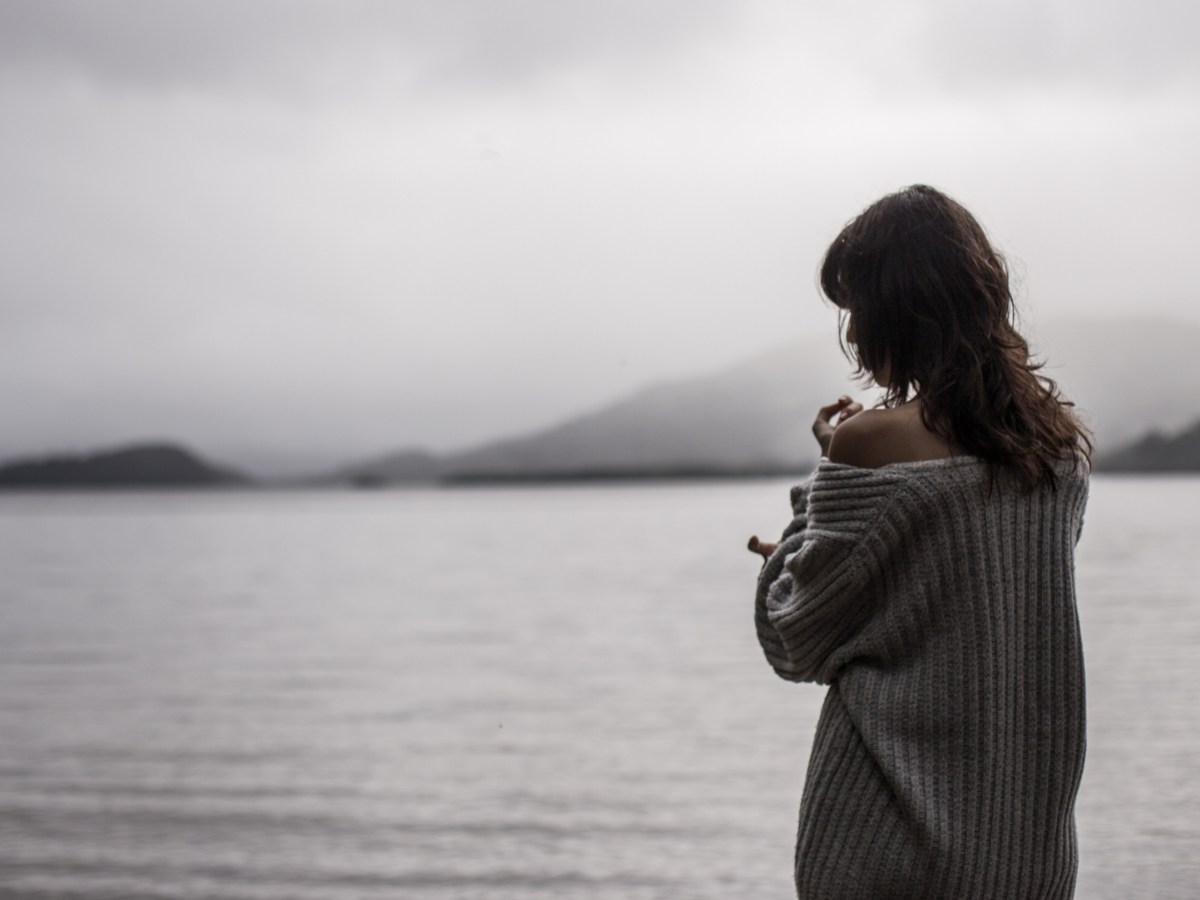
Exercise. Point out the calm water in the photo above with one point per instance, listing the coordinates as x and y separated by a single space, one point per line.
492 693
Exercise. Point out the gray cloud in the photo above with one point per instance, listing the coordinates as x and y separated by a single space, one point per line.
299 45
310 49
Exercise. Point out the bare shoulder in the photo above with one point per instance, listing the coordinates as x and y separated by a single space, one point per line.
862 440
876 437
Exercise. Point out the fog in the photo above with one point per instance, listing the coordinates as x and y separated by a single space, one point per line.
296 233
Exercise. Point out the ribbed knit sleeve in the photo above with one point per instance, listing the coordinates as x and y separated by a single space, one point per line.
813 593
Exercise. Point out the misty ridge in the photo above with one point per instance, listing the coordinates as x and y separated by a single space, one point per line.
1132 380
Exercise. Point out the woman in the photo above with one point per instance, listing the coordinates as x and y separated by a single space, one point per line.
927 577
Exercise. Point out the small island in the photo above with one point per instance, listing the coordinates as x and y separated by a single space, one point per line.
151 465
1157 452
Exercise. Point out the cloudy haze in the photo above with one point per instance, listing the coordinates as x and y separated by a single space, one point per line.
292 233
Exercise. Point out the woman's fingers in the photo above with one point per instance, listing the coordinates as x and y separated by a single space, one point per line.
852 409
826 413
823 425
763 548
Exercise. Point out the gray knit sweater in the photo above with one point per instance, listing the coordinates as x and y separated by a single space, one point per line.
950 746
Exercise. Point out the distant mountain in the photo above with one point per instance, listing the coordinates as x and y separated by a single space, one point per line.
1125 376
1157 452
752 417
141 465
1129 376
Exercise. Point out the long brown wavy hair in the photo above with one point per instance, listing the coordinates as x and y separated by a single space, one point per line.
929 299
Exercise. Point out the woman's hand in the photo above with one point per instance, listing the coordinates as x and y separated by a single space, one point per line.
823 428
823 425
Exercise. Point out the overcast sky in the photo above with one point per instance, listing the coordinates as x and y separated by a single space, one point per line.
293 233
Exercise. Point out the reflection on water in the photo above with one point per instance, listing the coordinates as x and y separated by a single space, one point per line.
505 693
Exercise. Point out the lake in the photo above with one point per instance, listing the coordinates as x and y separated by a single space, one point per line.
493 693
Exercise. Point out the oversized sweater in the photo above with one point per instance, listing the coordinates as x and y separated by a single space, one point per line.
950 746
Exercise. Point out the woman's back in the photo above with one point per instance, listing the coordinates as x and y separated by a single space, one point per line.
942 614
